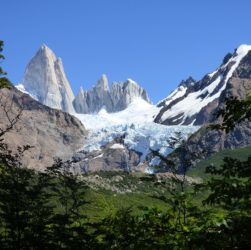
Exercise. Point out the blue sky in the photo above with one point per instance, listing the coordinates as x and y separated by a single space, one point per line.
155 42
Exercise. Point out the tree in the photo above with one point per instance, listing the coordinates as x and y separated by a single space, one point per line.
68 225
4 82
231 183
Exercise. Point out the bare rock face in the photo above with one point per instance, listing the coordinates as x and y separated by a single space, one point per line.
116 99
114 156
80 102
94 100
46 81
124 93
50 132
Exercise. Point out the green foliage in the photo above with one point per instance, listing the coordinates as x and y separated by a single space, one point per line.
1 57
230 185
217 160
234 112
4 82
231 190
40 210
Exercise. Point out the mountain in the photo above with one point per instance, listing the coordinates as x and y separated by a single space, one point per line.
123 126
50 132
45 80
116 99
205 142
195 102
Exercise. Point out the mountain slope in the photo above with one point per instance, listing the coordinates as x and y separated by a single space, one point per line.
45 80
50 132
195 102
206 142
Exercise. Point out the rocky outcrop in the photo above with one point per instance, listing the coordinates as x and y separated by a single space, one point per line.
50 132
196 102
116 99
124 93
113 156
45 80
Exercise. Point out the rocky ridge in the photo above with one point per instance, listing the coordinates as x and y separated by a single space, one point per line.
205 142
239 85
195 102
115 99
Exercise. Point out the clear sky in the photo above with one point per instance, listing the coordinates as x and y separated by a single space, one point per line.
155 42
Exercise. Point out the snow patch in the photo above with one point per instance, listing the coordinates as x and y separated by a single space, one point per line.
179 92
99 156
21 88
117 146
213 73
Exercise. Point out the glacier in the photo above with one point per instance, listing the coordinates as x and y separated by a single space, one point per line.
135 125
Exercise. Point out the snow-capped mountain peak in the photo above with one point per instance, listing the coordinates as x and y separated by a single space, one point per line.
192 102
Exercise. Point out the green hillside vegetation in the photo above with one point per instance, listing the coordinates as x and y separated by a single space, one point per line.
217 160
133 191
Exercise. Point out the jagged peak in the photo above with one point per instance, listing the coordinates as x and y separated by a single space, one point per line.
103 82
59 59
129 80
81 92
45 51
238 54
104 77
190 81
243 48
45 48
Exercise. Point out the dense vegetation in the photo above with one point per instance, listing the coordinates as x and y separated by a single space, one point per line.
49 210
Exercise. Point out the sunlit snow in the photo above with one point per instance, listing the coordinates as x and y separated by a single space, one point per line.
135 124
22 89
137 112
